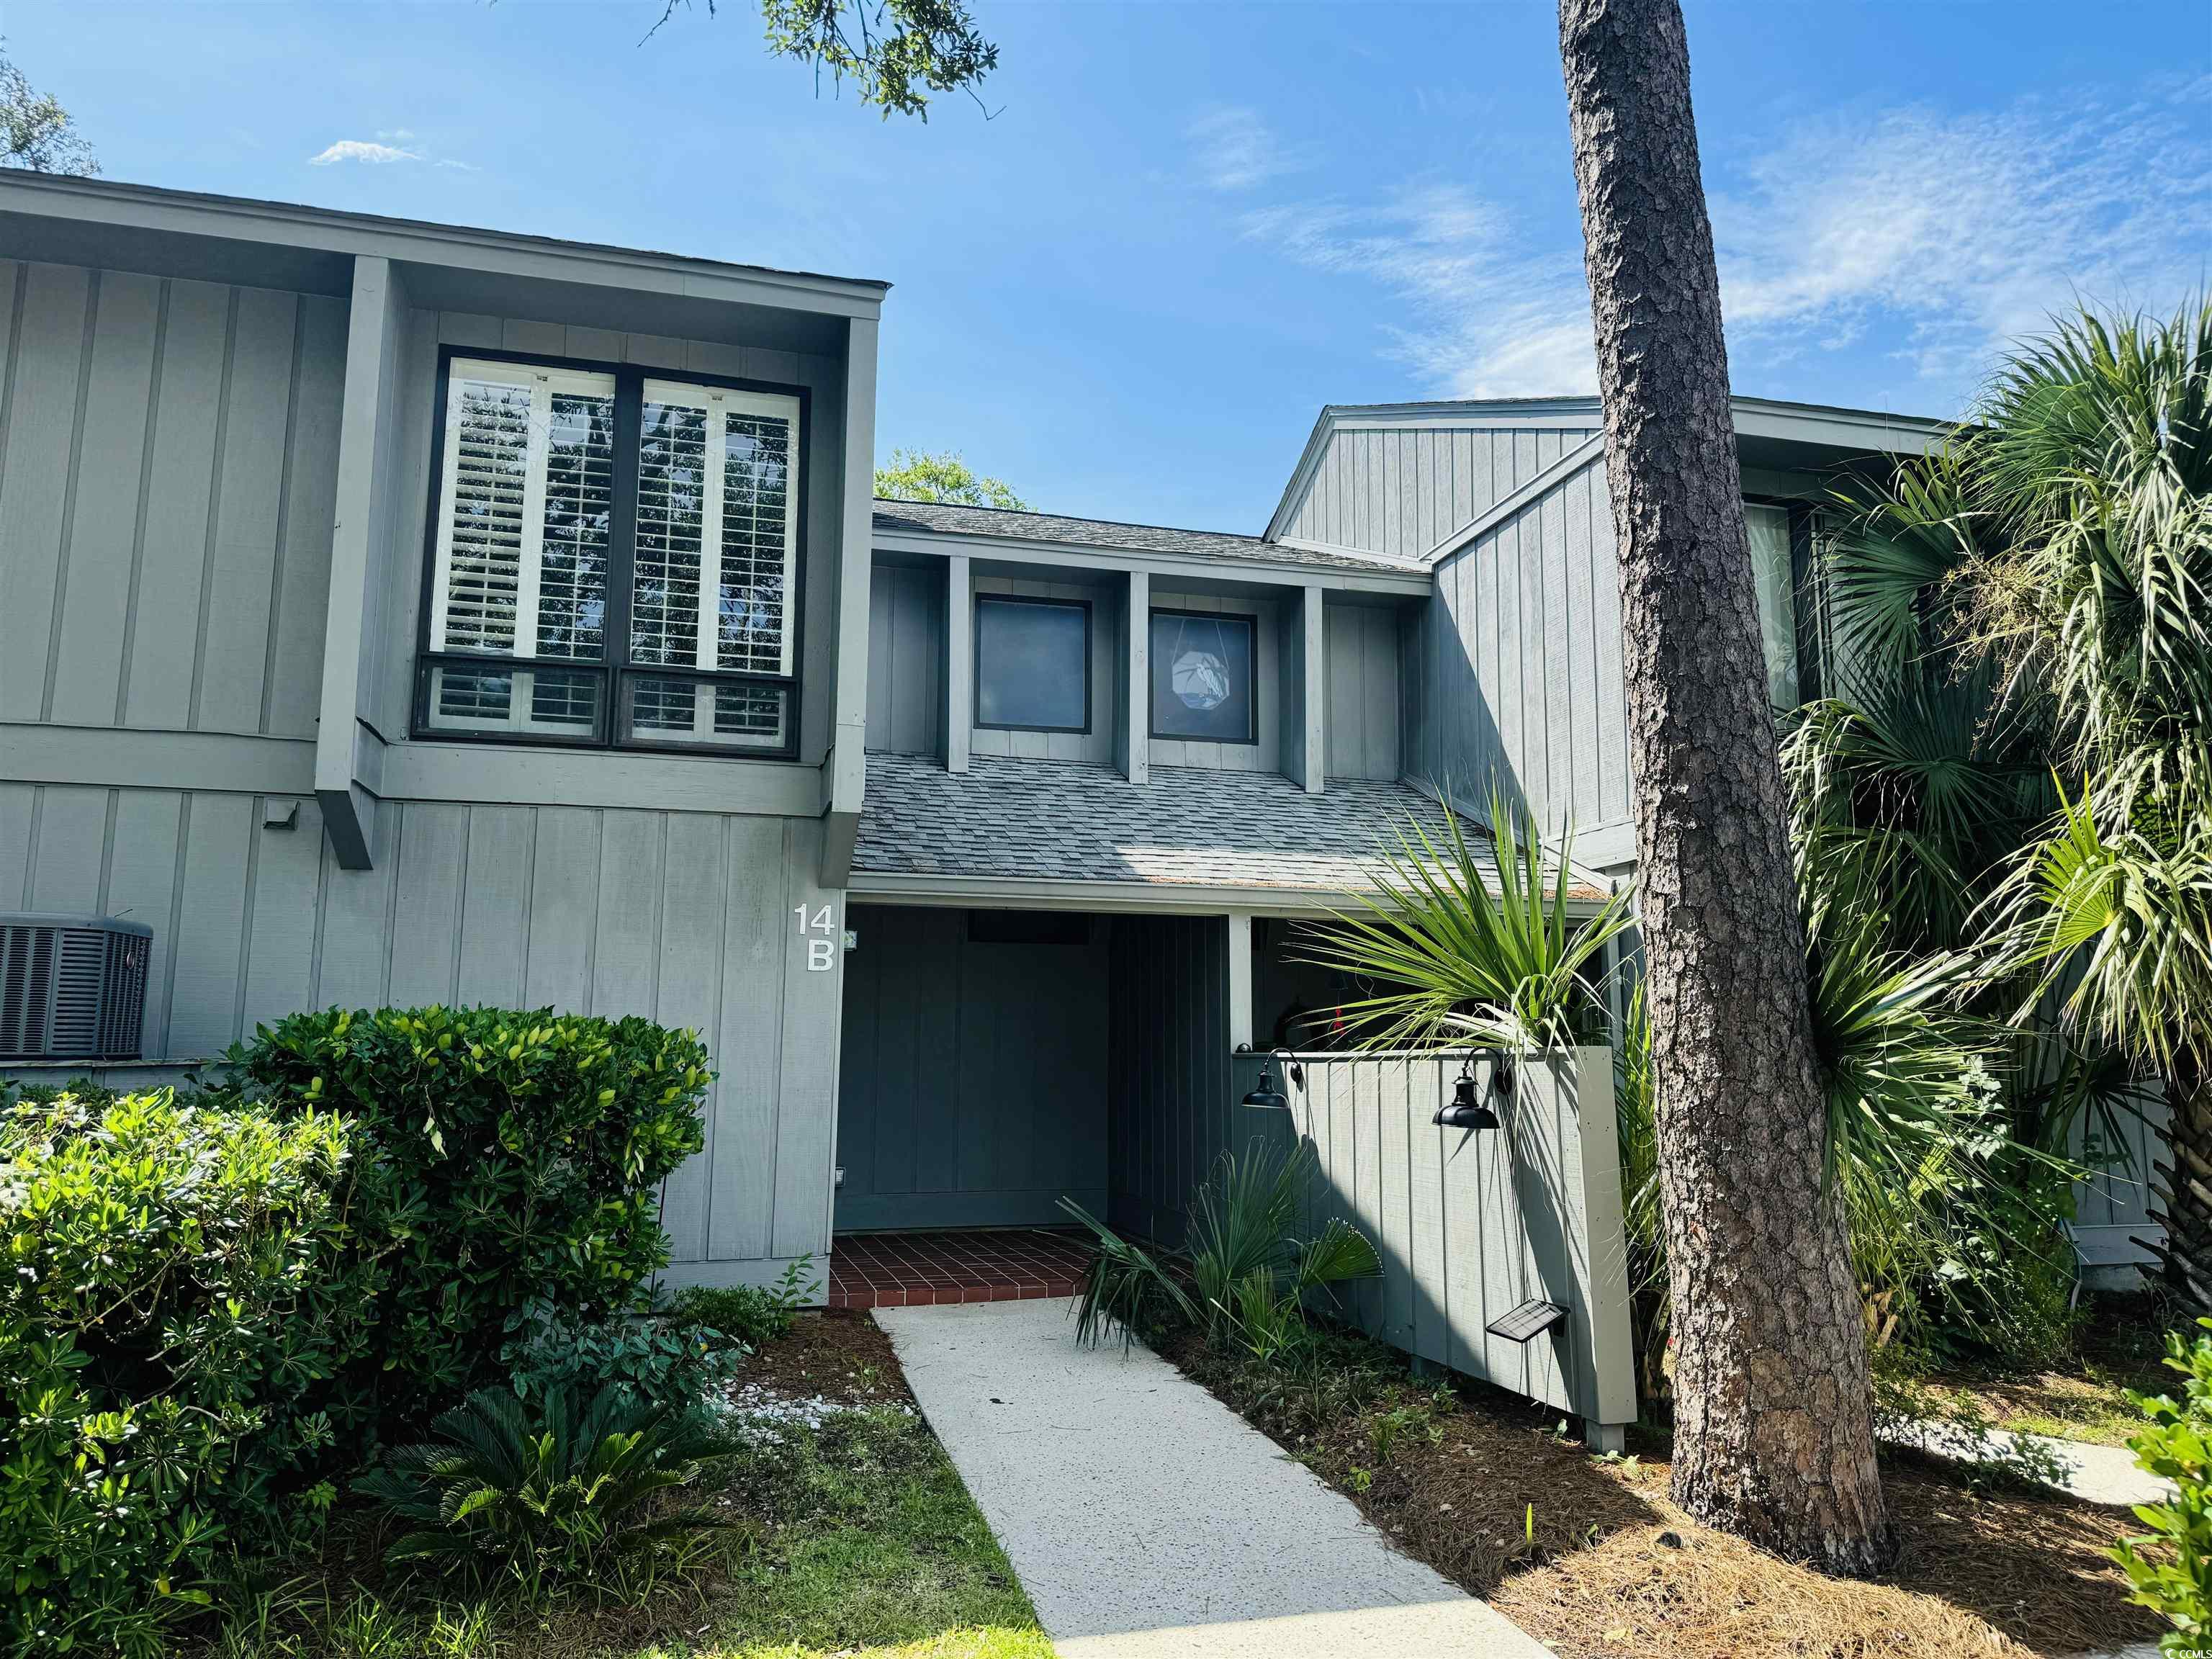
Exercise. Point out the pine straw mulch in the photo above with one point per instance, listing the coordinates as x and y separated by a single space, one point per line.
1589 1556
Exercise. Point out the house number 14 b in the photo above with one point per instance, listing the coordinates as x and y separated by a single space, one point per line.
819 928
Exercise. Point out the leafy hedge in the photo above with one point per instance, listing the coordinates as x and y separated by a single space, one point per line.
528 1151
183 1285
215 1302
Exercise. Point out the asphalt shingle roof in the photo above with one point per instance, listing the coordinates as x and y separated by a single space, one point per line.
1045 820
940 518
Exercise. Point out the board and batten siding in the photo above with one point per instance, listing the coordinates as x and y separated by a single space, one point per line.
1265 755
1363 688
400 558
1402 490
1168 1069
1470 1224
686 918
973 1088
1520 663
167 489
906 658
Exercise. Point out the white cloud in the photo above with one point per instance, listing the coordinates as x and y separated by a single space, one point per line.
362 149
1932 238
1477 316
1954 234
396 135
1233 149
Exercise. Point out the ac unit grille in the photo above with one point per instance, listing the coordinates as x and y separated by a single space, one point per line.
72 987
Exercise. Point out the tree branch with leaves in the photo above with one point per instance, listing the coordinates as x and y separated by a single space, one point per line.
897 54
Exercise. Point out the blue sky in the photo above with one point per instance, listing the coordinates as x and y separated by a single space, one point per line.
1187 227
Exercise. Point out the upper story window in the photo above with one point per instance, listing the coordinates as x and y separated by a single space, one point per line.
614 557
1204 670
1033 664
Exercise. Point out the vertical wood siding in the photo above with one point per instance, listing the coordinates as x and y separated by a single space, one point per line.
1402 491
1363 686
685 918
1168 1072
906 659
973 1090
168 455
1470 1224
1266 755
1520 663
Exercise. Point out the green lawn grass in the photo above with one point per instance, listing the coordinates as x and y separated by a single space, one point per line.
855 1540
869 1544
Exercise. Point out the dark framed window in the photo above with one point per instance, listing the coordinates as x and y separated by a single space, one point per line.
1032 664
613 558
1205 676
1782 534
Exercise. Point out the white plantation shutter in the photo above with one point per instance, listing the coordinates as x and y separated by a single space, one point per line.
525 548
716 560
523 528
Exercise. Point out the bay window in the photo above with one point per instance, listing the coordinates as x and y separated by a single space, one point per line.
614 558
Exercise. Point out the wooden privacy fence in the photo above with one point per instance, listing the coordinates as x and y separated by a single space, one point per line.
1472 1222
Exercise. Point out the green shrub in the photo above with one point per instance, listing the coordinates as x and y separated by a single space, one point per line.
2171 1565
547 1493
657 1357
749 1314
181 1285
531 1148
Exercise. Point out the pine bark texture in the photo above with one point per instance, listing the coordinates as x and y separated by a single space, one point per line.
2181 1192
1774 1432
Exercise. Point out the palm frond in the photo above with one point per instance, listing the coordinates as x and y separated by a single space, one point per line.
1479 952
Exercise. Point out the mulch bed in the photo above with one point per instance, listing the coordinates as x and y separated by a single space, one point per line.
1591 1558
831 1354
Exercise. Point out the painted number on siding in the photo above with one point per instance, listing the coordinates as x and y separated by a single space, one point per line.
819 928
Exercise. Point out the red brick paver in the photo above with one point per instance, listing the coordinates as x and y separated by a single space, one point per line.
912 1270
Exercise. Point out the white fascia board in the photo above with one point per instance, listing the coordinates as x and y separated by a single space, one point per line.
1845 429
415 241
1308 457
1414 580
1129 897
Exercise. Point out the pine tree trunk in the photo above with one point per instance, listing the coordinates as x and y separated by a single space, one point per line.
2182 1187
1774 1431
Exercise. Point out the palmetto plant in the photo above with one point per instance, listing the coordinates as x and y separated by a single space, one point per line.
2095 457
1455 963
1246 1272
543 1491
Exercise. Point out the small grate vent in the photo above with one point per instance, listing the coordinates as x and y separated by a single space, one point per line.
72 987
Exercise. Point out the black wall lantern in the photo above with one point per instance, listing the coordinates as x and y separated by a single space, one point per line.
1265 1094
1465 1111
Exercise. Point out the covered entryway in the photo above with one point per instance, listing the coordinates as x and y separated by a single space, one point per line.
996 1062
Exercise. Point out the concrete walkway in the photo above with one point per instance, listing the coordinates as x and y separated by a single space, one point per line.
2098 1474
1147 1519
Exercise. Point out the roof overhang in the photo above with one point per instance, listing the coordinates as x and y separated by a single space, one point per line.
1780 433
1112 898
186 234
1392 576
